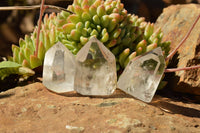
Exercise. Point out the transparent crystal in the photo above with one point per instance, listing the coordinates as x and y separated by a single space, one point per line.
95 70
59 69
142 75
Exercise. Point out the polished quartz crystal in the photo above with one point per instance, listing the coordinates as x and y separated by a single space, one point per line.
59 69
142 75
95 70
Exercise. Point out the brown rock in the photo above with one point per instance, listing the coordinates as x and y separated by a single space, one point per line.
168 2
175 22
34 109
177 1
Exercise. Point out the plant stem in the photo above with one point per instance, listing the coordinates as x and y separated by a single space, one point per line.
42 9
184 39
181 69
31 8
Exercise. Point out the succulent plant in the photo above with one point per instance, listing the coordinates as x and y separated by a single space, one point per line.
9 67
126 35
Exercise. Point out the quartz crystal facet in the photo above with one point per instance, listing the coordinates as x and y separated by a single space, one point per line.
59 69
95 70
142 75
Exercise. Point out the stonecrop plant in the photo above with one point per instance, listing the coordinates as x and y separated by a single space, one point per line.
126 35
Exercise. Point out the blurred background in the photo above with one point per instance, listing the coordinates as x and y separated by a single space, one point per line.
15 24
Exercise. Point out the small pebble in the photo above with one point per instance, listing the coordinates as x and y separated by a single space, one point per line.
173 128
75 129
51 106
2 103
106 104
39 105
137 123
152 127
59 108
23 109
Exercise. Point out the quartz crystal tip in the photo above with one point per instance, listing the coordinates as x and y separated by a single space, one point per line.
143 74
95 69
59 69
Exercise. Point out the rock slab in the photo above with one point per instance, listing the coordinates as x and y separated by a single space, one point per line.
34 109
175 21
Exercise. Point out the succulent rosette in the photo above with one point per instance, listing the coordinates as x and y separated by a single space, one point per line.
126 35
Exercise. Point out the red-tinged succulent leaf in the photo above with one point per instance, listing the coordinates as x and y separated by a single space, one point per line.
75 35
25 63
14 47
73 18
151 47
16 55
67 28
101 10
112 43
22 42
28 52
78 10
41 51
35 61
10 58
47 43
21 57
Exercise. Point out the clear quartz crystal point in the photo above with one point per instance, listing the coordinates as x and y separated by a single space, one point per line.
142 75
59 69
95 70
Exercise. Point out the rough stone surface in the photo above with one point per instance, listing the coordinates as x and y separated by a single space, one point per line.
34 109
175 21
169 2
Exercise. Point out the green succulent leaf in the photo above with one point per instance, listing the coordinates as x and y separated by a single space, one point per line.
9 64
8 67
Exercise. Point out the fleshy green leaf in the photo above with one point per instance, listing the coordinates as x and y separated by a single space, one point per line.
9 64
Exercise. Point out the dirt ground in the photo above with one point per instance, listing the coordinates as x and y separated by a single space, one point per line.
34 109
